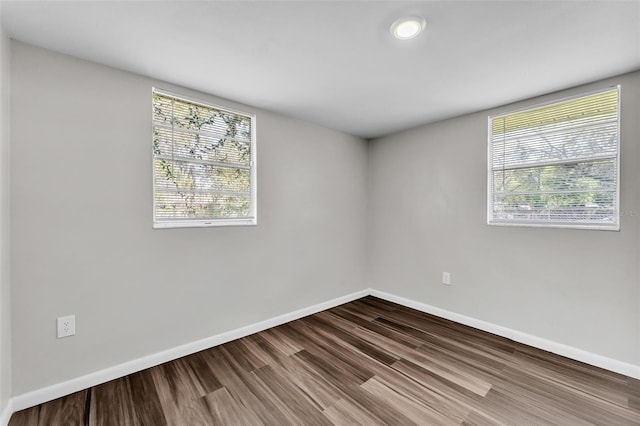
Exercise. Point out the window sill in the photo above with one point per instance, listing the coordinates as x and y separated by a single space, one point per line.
168 224
594 227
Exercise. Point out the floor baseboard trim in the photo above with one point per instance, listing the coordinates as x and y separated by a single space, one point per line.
49 393
581 355
5 414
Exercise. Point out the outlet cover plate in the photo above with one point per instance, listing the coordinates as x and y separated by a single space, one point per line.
446 278
66 326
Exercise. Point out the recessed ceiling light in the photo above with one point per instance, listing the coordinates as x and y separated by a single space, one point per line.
408 27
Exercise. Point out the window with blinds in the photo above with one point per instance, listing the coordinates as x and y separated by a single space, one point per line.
557 164
203 164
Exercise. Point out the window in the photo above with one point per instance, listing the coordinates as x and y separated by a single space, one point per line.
557 164
203 164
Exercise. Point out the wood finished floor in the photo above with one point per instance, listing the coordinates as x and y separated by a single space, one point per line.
368 362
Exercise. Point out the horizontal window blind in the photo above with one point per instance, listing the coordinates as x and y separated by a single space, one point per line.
556 164
203 163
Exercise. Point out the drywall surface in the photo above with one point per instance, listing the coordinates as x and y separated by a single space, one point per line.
428 215
5 291
82 237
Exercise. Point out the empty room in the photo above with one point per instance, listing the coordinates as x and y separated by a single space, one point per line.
319 213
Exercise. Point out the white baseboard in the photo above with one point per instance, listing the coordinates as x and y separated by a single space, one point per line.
590 358
5 414
40 396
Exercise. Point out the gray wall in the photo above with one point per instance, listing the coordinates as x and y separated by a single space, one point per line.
5 296
82 241
428 205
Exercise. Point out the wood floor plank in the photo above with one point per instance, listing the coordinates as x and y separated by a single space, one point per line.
345 413
317 388
353 314
177 389
633 392
268 351
200 372
267 399
463 373
448 406
227 411
368 362
246 358
112 404
612 388
447 371
145 399
333 332
194 412
508 409
333 372
68 410
447 328
390 346
376 305
575 402
380 329
386 414
486 364
27 417
318 345
436 382
238 383
280 340
303 407
410 407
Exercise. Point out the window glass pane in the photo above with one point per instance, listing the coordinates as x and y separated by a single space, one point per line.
196 146
587 176
599 139
174 205
556 164
203 166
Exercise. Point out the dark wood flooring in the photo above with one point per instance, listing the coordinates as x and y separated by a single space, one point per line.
368 362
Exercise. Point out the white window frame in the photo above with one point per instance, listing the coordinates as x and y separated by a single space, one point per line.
252 218
611 226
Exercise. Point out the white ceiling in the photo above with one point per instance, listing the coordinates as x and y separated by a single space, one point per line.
335 63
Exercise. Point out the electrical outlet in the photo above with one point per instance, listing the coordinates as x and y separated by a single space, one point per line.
66 326
446 278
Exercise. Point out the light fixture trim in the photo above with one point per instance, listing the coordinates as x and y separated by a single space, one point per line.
408 27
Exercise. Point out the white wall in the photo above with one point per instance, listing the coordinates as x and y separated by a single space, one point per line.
428 205
81 225
5 296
